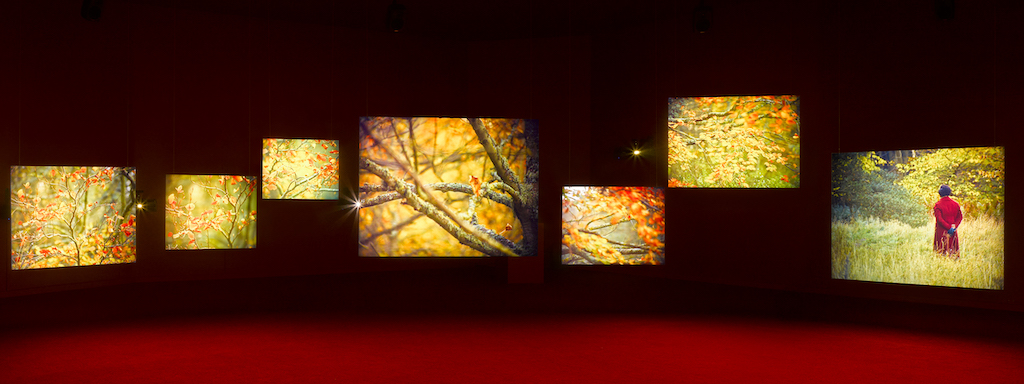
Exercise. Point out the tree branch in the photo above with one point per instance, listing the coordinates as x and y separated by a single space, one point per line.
523 196
643 247
465 236
572 249
632 251
443 187
500 163
374 235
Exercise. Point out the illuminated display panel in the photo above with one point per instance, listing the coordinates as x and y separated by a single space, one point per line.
304 169
65 216
433 186
210 212
890 220
734 142
613 225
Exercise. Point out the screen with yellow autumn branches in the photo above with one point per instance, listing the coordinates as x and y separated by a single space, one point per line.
613 225
300 169
439 186
65 216
210 212
734 142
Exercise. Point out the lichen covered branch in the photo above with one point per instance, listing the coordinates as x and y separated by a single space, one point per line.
500 163
443 187
464 236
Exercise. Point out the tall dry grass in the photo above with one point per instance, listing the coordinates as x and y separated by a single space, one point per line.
870 249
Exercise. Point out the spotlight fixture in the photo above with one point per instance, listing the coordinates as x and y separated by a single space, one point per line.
91 9
142 203
395 19
945 9
702 18
634 151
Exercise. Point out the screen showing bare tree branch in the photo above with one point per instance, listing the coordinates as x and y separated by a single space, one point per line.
613 225
300 169
923 216
210 212
436 186
734 142
71 216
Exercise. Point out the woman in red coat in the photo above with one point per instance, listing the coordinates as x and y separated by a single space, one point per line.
947 220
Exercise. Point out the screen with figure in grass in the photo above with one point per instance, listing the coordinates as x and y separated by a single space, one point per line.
300 169
613 225
66 216
734 142
436 186
925 217
210 212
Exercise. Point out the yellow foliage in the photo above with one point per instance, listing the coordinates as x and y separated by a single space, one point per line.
440 150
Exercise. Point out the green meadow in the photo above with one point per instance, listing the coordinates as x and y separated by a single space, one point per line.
870 249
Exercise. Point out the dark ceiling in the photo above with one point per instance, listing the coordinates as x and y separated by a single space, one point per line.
460 19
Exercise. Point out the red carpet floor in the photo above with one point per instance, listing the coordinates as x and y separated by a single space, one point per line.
306 347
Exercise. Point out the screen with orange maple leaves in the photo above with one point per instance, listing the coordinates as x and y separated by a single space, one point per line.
210 212
613 225
734 142
921 216
435 186
65 216
301 169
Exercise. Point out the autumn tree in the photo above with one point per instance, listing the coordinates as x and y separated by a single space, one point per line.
210 211
734 142
975 174
905 187
300 169
864 184
448 187
72 216
613 225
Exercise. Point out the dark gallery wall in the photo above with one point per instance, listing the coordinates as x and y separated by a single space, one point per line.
193 88
172 88
872 75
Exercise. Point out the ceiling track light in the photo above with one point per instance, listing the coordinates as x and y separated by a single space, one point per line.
395 19
702 18
91 9
945 9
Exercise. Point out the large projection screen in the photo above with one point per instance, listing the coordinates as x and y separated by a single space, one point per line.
210 212
437 186
613 225
300 169
65 216
734 142
924 217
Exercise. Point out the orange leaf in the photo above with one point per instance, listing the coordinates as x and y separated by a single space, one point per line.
475 182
